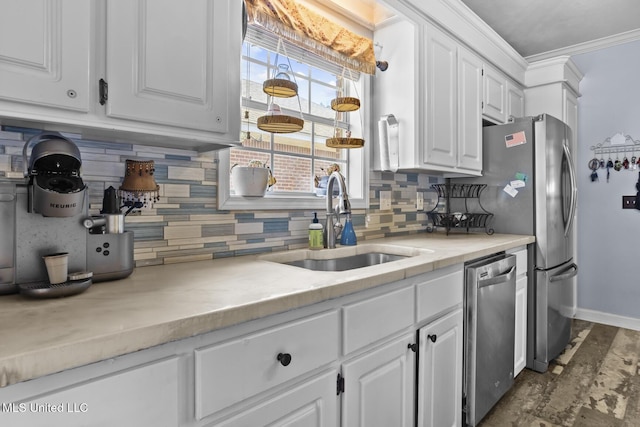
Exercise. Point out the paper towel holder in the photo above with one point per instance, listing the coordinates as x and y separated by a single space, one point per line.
389 142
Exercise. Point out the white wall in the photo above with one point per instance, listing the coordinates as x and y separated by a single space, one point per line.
608 236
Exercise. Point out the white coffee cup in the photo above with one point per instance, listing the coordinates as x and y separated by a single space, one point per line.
57 267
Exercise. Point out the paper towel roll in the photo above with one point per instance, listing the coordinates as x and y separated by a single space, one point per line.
389 143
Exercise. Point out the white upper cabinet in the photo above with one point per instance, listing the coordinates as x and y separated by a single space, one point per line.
160 72
453 98
396 90
469 111
163 60
502 98
434 89
515 101
495 95
441 100
44 53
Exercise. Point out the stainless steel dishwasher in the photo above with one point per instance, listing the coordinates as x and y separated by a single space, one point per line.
489 334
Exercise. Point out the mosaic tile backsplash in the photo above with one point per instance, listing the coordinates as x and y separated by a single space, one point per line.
186 225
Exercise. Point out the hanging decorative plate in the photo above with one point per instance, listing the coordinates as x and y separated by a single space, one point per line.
345 104
280 124
345 142
280 88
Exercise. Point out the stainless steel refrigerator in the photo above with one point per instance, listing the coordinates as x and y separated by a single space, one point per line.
531 189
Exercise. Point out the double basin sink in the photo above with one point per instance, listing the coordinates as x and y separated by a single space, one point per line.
345 258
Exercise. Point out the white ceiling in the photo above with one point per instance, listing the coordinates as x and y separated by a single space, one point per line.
540 28
536 29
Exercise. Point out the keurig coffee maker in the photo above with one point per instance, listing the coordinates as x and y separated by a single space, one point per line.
49 207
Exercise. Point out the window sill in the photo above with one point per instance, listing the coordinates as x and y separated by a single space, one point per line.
357 189
281 202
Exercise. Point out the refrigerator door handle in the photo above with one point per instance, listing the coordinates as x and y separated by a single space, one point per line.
574 191
567 273
502 278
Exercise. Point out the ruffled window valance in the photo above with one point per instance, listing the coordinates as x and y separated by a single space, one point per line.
313 32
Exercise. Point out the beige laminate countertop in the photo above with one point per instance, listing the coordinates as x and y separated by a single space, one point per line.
163 303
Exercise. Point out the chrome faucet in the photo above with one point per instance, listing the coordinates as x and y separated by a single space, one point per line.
343 207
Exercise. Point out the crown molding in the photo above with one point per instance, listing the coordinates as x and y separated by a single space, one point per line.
463 24
590 46
553 70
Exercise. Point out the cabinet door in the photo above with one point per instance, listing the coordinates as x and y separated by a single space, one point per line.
312 404
495 91
520 349
441 100
379 386
44 52
440 372
396 91
470 110
175 63
515 101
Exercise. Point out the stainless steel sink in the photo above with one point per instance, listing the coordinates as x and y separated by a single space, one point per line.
346 263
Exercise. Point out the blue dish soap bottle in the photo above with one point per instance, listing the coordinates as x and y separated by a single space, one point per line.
348 237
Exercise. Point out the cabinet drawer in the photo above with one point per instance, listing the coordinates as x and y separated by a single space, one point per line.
142 396
440 293
230 372
375 318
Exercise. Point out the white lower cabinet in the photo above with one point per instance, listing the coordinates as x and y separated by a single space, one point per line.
520 349
310 404
379 386
440 372
365 359
141 396
235 370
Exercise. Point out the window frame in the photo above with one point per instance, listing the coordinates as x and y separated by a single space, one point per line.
356 175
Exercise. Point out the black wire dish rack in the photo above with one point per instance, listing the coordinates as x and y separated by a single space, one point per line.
460 220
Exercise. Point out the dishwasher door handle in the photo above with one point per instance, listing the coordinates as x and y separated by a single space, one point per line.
502 278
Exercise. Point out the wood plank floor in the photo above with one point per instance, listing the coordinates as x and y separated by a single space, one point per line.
595 382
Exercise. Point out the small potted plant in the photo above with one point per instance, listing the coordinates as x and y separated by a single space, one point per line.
253 180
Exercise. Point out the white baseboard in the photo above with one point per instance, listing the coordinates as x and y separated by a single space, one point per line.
608 319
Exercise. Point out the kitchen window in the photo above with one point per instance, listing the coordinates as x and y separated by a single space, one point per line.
295 158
